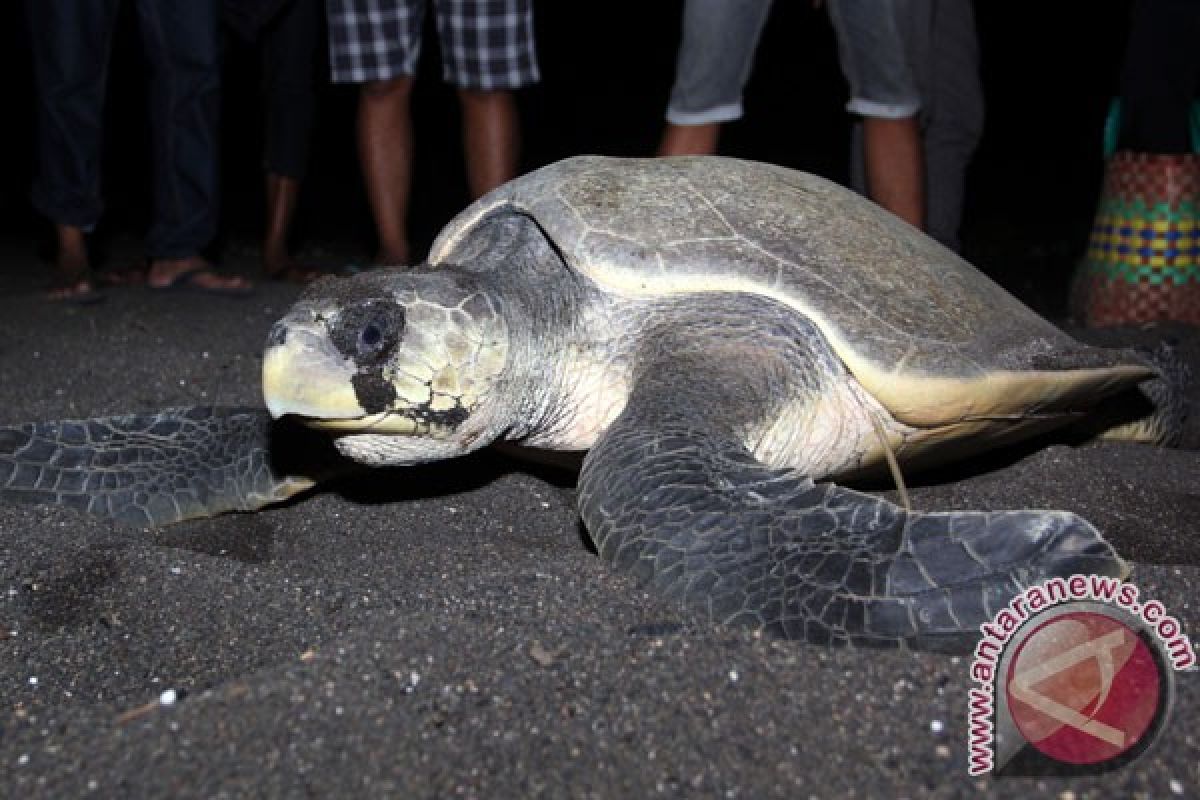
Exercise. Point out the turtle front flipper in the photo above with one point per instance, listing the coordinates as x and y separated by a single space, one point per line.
671 493
699 519
163 467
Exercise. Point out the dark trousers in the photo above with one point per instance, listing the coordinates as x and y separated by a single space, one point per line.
289 43
71 42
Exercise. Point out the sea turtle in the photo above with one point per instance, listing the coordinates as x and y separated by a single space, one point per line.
718 335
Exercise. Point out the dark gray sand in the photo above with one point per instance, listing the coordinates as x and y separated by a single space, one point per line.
446 631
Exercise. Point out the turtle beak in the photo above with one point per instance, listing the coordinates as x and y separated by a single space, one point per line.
305 375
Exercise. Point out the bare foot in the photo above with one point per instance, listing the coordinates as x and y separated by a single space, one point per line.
193 272
79 291
73 281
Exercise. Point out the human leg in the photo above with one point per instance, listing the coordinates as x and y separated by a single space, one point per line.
698 139
385 152
952 112
71 43
488 52
895 166
377 43
491 138
288 49
716 54
884 94
181 42
282 194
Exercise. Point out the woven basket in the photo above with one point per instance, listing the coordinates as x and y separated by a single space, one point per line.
1143 258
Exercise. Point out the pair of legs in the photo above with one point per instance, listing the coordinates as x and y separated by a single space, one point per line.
891 150
71 45
700 139
716 54
491 139
487 53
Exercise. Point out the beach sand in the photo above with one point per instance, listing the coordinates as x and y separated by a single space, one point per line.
447 631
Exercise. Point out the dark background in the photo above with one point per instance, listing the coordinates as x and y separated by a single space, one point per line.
1048 74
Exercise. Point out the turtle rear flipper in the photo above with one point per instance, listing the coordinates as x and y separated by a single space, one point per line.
672 495
162 467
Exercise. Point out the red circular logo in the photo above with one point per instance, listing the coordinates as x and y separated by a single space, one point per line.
1084 688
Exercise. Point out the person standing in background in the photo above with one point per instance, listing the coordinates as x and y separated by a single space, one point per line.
72 43
487 51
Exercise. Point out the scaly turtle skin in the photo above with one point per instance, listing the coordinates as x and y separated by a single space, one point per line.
719 335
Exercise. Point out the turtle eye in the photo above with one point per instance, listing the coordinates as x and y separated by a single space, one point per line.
367 332
371 337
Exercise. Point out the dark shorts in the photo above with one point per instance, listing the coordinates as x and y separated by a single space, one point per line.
486 44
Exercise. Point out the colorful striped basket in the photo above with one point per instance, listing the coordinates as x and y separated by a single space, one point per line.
1143 258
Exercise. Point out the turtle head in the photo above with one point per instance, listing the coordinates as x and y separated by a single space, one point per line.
399 366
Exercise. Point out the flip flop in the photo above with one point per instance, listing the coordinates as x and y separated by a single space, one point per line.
186 282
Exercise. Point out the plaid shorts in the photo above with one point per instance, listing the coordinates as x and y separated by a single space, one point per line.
486 44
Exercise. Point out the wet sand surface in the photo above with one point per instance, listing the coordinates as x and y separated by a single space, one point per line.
447 631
